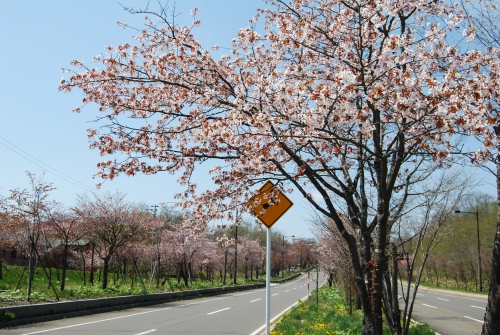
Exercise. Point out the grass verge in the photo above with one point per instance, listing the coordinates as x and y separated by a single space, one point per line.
329 317
75 289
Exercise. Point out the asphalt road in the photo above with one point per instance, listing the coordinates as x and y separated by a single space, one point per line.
234 313
450 313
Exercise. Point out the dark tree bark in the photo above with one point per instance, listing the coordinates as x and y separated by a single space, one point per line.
491 324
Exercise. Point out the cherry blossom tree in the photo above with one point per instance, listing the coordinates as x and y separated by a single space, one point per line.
342 100
30 209
112 224
66 227
248 254
182 250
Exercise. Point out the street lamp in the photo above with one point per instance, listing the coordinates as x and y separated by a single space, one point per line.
283 256
479 273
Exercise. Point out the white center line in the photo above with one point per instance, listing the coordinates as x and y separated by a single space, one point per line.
429 306
294 288
237 295
275 294
146 332
256 300
477 307
421 295
287 291
442 299
220 310
468 317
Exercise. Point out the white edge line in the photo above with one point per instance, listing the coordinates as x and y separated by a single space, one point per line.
468 317
429 306
457 295
147 332
220 310
477 307
442 299
278 316
115 318
125 316
91 322
237 295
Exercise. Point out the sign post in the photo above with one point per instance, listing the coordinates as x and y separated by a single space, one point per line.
268 282
269 206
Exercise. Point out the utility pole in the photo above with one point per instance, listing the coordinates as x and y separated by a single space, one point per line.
283 256
155 207
235 252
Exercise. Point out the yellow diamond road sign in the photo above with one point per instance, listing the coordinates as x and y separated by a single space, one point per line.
270 204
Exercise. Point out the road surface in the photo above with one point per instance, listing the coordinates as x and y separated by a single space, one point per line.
233 313
450 313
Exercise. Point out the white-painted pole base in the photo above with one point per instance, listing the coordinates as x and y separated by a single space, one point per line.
268 282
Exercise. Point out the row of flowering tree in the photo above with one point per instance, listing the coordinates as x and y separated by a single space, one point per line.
107 233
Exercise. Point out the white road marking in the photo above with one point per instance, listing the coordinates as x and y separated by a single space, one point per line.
429 306
293 282
118 317
237 295
277 317
89 323
256 300
220 310
442 299
287 291
468 317
146 332
294 288
459 296
477 307
275 294
420 294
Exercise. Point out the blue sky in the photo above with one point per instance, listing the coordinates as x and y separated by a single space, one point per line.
41 37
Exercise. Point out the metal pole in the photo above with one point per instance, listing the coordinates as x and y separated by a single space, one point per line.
236 252
268 282
317 284
479 255
283 259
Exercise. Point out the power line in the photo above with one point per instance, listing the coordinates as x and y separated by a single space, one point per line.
55 172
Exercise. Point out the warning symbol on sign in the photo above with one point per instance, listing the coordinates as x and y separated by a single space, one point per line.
270 204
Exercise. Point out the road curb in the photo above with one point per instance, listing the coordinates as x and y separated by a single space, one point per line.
278 317
65 309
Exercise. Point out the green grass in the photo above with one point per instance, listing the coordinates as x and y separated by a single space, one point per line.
330 318
74 288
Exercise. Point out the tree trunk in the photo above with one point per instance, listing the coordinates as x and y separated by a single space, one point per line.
105 271
225 267
491 323
91 279
31 267
64 264
185 272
